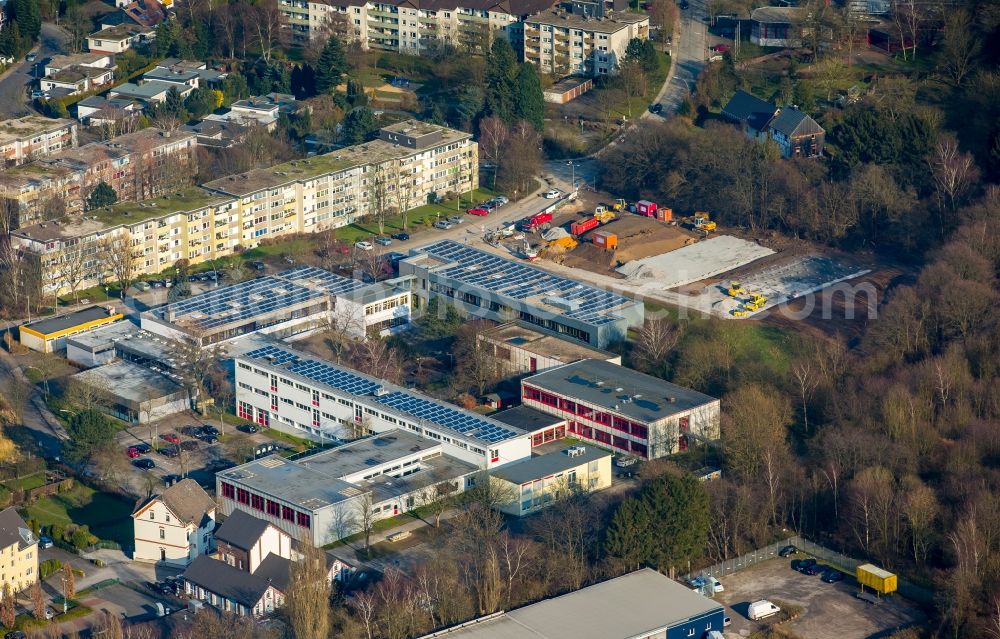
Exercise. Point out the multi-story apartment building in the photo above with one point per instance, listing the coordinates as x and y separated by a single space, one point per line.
18 552
136 165
32 137
410 161
410 27
562 42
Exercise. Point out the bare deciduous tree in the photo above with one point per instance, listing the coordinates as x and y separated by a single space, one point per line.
307 600
117 255
654 340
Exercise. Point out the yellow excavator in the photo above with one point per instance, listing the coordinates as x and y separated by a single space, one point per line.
703 222
620 205
735 289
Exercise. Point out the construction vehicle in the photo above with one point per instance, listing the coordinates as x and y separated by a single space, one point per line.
581 227
735 288
756 302
599 209
527 251
535 222
620 205
703 222
605 216
739 312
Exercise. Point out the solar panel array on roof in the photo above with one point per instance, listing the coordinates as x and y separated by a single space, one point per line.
317 277
463 423
520 281
408 403
238 302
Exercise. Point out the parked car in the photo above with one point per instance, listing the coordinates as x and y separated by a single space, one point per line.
656 108
208 438
39 95
685 5
208 429
143 447
803 564
479 210
31 57
815 569
16 634
157 283
189 445
624 461
170 437
144 463
720 48
170 451
191 430
551 194
402 237
141 286
45 542
443 224
787 551
382 240
501 200
456 219
832 575
257 265
363 245
249 428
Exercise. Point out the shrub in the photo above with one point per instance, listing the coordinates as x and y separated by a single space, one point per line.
57 531
49 567
82 538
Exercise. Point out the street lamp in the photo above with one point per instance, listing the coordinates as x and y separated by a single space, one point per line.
64 582
573 167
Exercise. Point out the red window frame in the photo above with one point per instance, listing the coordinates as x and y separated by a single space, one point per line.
242 495
273 508
228 490
303 520
256 502
288 514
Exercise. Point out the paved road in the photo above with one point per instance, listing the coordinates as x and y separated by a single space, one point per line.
14 83
689 54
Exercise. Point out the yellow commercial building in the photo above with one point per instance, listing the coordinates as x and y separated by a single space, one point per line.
538 481
50 334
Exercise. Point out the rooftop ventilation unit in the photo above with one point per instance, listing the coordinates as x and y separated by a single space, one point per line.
576 451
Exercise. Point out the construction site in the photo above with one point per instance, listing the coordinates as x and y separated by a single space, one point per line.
644 249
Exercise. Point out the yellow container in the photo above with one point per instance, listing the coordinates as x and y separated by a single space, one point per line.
881 581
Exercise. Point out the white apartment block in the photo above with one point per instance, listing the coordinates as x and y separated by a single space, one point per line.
408 162
32 137
285 389
561 43
410 27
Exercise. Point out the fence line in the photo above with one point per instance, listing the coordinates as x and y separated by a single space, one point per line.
847 564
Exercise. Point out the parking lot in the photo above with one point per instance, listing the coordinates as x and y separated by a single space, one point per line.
830 611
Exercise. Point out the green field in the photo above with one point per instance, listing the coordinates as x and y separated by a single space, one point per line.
108 517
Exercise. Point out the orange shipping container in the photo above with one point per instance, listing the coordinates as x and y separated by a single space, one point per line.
665 214
607 241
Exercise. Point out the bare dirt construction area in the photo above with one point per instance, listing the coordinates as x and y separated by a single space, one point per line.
830 611
638 238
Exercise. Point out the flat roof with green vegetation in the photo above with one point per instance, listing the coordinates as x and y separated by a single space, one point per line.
184 201
27 126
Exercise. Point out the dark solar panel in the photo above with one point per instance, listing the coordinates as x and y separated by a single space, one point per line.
408 403
520 281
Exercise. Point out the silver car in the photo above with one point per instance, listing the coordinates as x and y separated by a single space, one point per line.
443 224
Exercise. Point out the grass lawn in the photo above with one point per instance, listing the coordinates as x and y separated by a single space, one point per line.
27 622
94 294
378 526
26 483
108 517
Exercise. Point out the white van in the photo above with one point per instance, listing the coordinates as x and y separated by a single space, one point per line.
762 609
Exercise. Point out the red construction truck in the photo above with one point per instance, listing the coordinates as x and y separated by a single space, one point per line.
579 228
645 207
535 221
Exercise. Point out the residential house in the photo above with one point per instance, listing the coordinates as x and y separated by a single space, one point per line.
32 136
541 480
142 13
18 552
174 527
217 133
237 591
150 93
777 26
795 133
119 38
262 110
244 541
96 110
76 79
58 63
